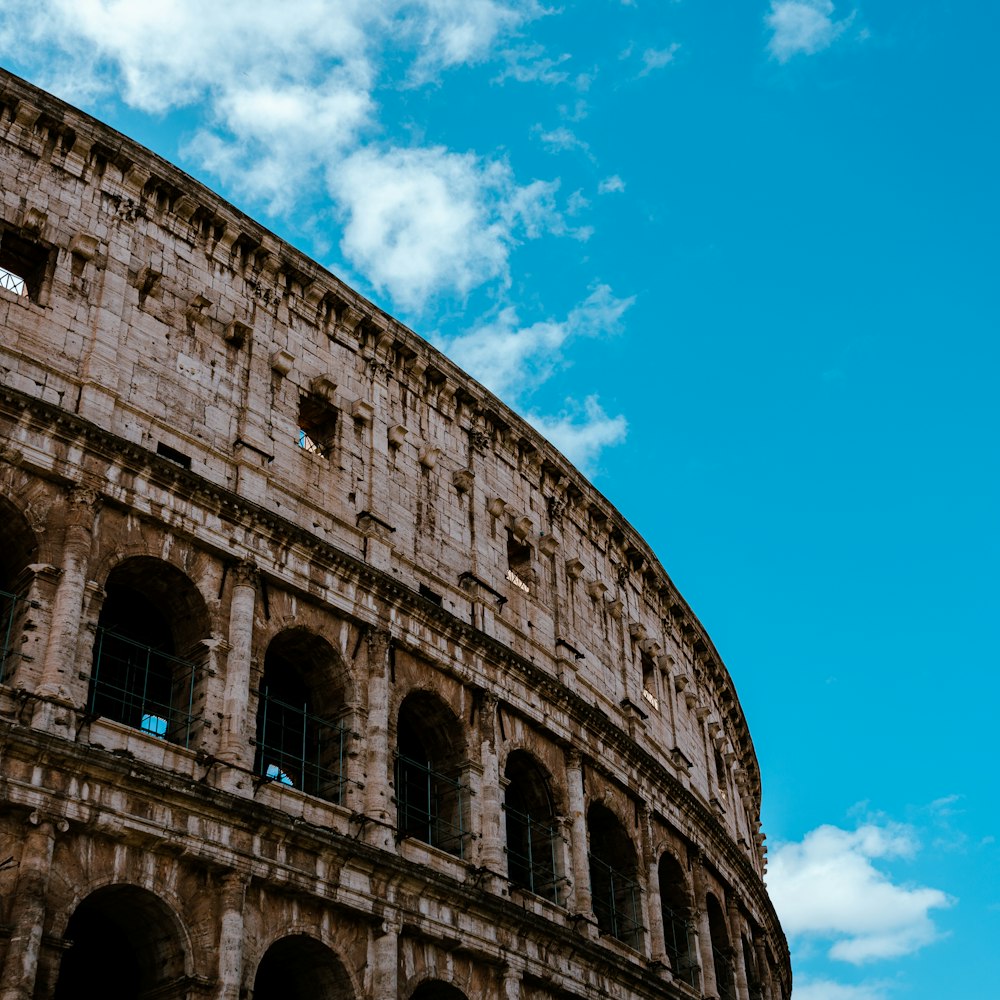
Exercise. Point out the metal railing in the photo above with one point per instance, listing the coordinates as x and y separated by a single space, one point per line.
142 687
429 806
616 899
678 941
10 606
724 980
299 749
12 282
531 854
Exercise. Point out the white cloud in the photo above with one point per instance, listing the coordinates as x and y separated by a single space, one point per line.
828 888
611 185
653 59
530 65
561 139
419 220
826 989
288 102
580 433
512 360
805 26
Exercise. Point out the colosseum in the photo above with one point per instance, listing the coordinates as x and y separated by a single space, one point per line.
324 675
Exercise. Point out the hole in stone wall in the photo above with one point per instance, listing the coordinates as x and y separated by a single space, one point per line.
317 426
22 265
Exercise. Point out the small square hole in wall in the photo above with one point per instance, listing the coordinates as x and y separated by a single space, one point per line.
317 425
519 570
22 265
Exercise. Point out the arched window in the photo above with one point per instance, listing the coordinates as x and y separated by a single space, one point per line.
678 927
436 990
613 884
430 798
722 953
122 943
301 968
17 551
532 837
147 653
754 986
301 730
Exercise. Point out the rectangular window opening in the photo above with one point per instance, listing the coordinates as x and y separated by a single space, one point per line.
22 265
317 432
519 570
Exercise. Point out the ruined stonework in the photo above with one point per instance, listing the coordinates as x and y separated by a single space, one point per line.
323 675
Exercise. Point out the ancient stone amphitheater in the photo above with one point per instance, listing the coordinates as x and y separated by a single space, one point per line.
323 675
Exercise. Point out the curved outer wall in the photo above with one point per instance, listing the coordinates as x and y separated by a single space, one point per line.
303 499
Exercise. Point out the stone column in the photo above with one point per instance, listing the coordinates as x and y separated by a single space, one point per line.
654 910
764 970
710 989
20 966
492 832
234 886
59 669
385 958
739 961
235 746
582 899
378 807
511 989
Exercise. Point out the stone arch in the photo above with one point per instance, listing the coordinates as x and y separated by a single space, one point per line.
18 550
149 650
678 920
722 952
614 883
532 829
300 967
437 989
302 713
124 943
431 760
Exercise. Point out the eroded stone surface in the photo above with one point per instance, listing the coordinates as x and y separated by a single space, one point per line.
198 420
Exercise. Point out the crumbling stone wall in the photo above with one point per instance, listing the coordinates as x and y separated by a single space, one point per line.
199 423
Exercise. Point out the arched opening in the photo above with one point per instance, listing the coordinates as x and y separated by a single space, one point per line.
17 551
430 757
436 990
678 927
613 884
532 836
755 987
722 953
123 943
147 652
301 726
301 968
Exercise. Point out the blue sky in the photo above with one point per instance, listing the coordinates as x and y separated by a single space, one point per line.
740 262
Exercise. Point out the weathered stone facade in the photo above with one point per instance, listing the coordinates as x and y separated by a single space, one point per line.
323 674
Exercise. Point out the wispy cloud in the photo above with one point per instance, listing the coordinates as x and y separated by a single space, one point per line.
581 432
653 59
827 989
828 888
289 112
610 185
802 26
513 360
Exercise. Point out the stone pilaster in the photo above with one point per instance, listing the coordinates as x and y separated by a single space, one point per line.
492 831
233 895
20 966
57 687
378 806
654 910
582 899
710 989
235 746
384 951
739 960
